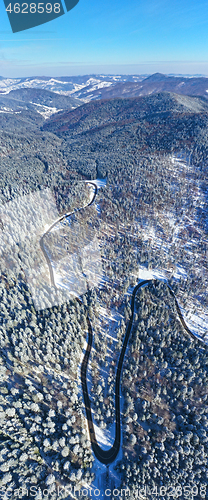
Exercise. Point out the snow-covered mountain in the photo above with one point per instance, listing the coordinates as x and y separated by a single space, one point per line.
82 87
92 87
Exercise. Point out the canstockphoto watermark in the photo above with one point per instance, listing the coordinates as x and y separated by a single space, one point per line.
24 15
171 491
60 259
62 492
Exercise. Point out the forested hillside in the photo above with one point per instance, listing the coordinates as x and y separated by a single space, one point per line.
148 221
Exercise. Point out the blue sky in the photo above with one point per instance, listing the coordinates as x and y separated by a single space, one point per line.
138 37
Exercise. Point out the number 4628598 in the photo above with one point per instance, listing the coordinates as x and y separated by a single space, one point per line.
33 8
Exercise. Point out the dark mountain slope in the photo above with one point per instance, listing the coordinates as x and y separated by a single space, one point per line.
157 109
102 135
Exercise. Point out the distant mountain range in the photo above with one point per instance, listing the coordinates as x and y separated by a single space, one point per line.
90 87
83 87
46 96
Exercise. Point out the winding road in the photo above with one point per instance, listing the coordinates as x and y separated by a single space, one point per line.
106 456
65 216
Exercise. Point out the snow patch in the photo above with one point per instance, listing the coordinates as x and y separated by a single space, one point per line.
46 111
105 437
